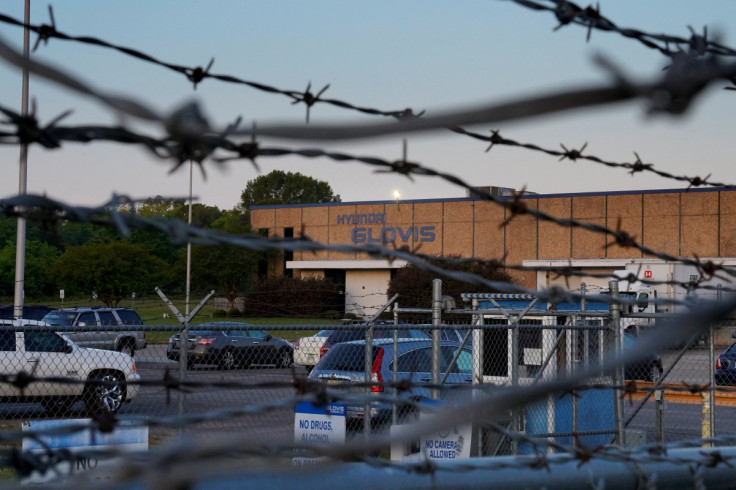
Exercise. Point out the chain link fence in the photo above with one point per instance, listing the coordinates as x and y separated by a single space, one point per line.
540 380
239 380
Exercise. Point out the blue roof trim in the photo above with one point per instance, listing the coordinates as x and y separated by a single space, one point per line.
475 198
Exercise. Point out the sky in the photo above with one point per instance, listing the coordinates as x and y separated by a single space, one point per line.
427 55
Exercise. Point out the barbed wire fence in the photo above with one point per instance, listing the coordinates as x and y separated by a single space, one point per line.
695 64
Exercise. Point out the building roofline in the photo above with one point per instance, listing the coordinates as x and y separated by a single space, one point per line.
476 198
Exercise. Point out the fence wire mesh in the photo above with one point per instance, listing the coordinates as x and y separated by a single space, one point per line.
545 387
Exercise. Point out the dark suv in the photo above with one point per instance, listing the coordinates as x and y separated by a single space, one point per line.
74 323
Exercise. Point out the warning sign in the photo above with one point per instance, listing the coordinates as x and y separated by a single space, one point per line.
450 444
322 425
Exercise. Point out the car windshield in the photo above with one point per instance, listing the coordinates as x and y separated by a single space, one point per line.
345 357
323 333
60 318
201 333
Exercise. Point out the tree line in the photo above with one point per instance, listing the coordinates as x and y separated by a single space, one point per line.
85 259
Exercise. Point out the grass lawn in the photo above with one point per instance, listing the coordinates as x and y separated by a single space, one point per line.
153 311
301 328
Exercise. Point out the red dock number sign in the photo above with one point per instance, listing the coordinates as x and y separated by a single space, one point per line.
647 274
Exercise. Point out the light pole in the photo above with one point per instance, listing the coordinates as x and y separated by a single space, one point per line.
189 245
20 241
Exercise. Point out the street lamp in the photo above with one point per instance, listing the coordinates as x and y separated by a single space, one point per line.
397 196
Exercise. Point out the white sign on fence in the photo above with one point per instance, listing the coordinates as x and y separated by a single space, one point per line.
121 439
449 444
442 445
323 425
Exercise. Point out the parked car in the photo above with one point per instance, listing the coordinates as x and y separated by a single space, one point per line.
307 349
380 331
45 353
725 369
73 323
345 364
231 344
648 368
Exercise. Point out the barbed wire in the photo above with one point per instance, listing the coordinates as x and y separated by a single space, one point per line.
566 12
191 135
497 399
574 155
681 88
47 210
570 13
197 74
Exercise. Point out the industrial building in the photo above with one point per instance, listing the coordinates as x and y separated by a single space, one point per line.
680 222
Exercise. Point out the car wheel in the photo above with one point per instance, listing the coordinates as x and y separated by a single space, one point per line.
655 372
127 348
57 406
105 392
285 358
227 359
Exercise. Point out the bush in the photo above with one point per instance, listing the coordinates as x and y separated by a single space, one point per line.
234 312
287 296
414 285
332 315
219 313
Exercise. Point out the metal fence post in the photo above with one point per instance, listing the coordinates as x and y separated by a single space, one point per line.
368 378
586 358
712 383
477 368
618 375
183 346
395 360
436 322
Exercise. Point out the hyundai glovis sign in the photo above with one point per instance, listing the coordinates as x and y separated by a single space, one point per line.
385 234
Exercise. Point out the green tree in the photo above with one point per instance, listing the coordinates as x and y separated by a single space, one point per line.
279 187
157 206
37 282
158 244
232 221
225 268
202 215
112 270
73 234
414 285
9 230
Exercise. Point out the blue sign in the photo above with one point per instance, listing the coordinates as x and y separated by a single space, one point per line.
390 234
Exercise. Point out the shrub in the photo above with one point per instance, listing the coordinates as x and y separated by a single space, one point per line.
287 296
219 313
234 312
